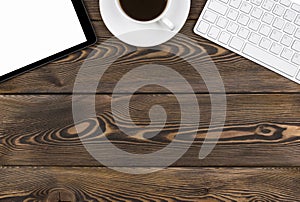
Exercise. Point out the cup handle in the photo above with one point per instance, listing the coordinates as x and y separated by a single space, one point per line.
168 23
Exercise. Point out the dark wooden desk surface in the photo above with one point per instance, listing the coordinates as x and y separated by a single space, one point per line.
256 159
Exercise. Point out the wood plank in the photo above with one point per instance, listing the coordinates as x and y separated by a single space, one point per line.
173 184
239 74
93 9
260 130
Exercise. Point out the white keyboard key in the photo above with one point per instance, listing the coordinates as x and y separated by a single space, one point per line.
268 4
213 32
276 35
298 76
222 22
217 7
278 23
267 18
254 38
276 48
246 7
256 12
243 19
254 24
265 30
296 7
203 27
224 37
296 59
225 1
286 40
278 10
236 43
232 14
289 28
296 45
289 15
297 21
210 16
285 2
235 3
232 27
270 60
256 2
287 53
297 33
265 43
243 33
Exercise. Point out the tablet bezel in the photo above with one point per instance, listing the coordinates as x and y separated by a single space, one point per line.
89 34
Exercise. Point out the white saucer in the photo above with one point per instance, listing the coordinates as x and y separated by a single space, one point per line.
139 34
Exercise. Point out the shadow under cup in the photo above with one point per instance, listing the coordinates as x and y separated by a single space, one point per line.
143 10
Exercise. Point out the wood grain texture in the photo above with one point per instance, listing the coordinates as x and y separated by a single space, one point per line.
260 130
238 74
168 185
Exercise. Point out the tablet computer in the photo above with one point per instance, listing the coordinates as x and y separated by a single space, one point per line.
36 32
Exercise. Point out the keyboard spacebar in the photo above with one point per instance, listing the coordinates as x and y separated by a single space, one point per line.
270 60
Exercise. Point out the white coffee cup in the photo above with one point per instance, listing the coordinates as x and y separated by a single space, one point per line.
160 19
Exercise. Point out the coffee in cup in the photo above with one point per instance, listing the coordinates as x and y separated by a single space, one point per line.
143 10
146 11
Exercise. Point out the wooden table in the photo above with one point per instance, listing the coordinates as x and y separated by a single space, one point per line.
256 159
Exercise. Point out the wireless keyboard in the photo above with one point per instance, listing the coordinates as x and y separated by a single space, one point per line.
264 31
